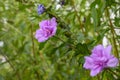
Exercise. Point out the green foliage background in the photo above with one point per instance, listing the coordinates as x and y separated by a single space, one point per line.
62 56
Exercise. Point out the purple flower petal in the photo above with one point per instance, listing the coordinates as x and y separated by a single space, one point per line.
43 23
47 29
112 62
98 51
88 63
40 36
99 59
94 72
53 20
107 51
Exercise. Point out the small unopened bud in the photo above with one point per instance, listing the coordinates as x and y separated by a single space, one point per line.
40 9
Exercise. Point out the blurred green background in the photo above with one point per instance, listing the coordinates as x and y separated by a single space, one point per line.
82 24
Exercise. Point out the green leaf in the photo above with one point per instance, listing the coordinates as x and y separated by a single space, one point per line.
81 49
95 17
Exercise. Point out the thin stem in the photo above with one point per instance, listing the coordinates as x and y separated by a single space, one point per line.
78 17
60 39
33 51
113 36
113 72
70 45
17 74
98 77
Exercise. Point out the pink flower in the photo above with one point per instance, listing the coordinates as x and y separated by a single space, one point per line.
99 59
47 29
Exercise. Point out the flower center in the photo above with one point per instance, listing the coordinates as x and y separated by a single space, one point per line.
48 32
102 63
